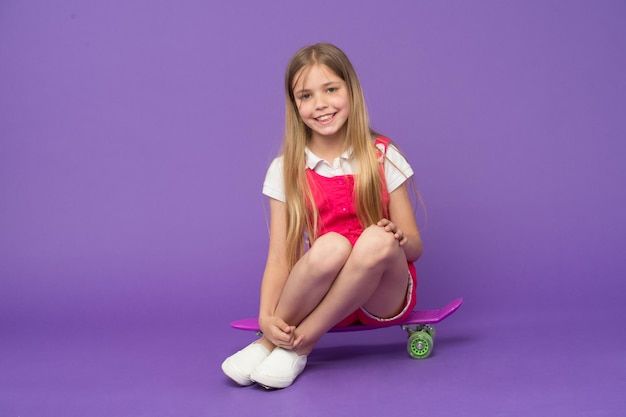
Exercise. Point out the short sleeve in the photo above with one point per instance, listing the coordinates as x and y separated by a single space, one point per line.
397 168
274 184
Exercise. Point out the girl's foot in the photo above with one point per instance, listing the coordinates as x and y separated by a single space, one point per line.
239 366
280 369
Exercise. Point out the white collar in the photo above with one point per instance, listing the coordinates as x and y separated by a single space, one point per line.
313 160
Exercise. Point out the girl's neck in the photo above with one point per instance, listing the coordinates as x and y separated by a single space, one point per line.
327 147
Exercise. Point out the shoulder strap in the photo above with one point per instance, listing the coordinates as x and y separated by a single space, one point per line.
381 143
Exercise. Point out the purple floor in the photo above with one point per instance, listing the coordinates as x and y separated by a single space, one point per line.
566 365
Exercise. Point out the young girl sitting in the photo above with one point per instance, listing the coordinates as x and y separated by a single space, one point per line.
343 236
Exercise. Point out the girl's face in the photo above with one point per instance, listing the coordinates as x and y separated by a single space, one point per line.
323 101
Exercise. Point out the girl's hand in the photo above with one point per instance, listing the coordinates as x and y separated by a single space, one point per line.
392 228
280 333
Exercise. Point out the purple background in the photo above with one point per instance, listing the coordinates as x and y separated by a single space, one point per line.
134 138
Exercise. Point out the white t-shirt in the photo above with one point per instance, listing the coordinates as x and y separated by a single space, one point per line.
397 170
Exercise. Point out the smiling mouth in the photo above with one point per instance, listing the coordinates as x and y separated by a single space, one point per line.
325 118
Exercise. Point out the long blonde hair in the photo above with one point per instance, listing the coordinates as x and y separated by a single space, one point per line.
302 214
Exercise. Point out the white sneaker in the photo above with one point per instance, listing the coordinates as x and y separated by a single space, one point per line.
280 369
239 366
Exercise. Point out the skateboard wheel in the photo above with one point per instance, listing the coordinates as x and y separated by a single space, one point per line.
420 345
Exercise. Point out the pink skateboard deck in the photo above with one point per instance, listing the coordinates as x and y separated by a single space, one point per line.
418 325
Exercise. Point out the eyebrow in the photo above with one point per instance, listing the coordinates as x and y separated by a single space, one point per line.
304 90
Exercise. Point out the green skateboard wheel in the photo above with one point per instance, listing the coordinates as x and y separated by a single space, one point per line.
420 345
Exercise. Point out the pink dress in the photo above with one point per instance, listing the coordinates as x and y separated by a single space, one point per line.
334 198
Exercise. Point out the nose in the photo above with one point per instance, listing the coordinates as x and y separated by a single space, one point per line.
320 102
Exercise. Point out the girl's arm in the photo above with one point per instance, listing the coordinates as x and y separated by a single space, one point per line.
402 217
274 279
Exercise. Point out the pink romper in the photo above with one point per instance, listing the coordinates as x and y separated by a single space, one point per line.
334 198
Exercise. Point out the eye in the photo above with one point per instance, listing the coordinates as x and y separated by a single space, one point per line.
304 96
332 89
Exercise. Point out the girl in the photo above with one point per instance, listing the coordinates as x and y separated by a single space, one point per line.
338 189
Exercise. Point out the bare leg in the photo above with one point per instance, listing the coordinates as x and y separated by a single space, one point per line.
311 278
327 286
374 276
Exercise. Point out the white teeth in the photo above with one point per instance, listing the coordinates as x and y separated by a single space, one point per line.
325 117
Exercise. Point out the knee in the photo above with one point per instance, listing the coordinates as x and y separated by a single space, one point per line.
329 253
376 245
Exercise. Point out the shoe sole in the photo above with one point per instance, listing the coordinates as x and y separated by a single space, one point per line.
271 383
